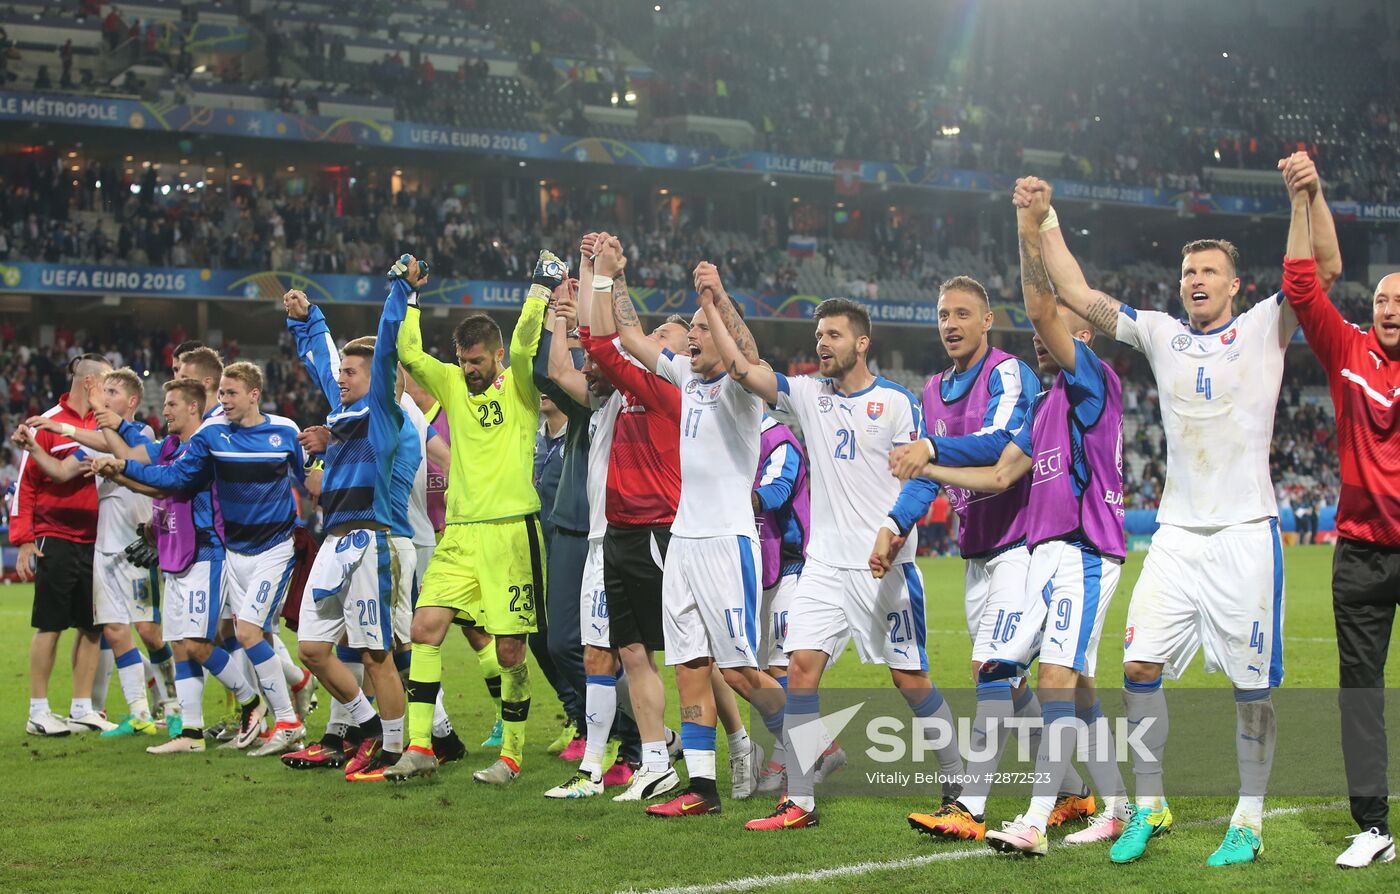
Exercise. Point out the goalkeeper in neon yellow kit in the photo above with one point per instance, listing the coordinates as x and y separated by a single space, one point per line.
489 568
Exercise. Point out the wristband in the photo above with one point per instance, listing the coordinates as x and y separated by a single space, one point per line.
932 450
1051 221
67 429
602 283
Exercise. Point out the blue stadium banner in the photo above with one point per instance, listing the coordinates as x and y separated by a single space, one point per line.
133 114
37 278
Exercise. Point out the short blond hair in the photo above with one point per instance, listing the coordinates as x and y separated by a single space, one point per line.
360 347
205 360
128 379
1221 245
245 372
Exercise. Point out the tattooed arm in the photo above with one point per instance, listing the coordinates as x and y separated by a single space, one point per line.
615 312
756 377
707 279
1041 307
1102 311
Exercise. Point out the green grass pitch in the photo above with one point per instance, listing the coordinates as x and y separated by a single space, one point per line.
88 815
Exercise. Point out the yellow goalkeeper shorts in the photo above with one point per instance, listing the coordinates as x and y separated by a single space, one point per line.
492 574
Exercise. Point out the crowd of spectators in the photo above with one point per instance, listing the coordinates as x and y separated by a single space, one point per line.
913 82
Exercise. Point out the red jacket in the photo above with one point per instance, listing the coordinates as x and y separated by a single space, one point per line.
1365 386
644 468
42 507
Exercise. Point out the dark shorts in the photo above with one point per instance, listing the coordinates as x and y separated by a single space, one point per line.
62 586
632 560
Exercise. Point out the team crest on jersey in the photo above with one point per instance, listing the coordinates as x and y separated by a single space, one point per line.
1229 337
1128 638
874 409
274 440
824 404
499 383
1181 342
940 428
714 390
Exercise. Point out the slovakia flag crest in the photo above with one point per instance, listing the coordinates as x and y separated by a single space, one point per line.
874 409
1228 338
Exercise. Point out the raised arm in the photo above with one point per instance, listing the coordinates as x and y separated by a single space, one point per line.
707 279
1036 291
431 373
555 370
315 346
610 264
1063 270
386 417
1323 324
1300 173
756 376
525 340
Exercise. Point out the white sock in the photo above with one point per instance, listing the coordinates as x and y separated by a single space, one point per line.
131 671
393 735
39 707
600 708
190 691
442 724
1256 734
700 764
272 683
654 756
293 674
79 707
739 741
106 662
361 711
339 719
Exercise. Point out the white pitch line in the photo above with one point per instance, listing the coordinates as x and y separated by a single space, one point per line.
753 882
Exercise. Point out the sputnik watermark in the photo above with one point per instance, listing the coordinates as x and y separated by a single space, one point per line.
895 739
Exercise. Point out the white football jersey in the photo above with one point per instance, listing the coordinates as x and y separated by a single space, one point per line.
600 438
119 510
849 438
418 499
719 451
1218 391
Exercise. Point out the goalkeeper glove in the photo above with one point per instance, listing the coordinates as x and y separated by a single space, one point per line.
549 273
400 271
141 552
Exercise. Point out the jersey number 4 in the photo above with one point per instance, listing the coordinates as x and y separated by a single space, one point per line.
490 414
1202 382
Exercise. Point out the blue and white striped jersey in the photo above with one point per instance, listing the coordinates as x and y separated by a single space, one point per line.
252 469
375 451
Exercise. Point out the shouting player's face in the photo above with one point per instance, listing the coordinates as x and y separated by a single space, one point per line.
1386 317
353 379
704 356
239 401
963 323
597 382
838 347
181 415
480 365
1208 287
